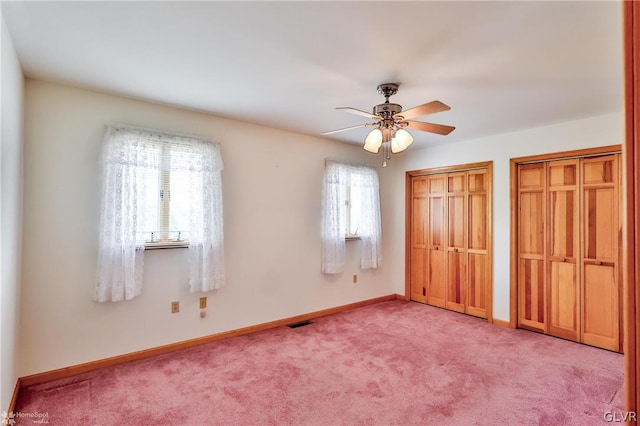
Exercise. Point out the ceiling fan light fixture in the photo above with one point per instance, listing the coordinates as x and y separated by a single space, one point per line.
401 141
389 121
373 141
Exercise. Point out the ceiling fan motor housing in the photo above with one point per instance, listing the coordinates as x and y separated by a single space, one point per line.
387 110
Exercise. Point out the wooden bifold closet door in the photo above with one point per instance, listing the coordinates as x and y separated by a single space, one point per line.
601 252
456 248
435 287
450 239
568 251
563 236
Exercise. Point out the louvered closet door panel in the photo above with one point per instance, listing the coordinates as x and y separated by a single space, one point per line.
563 234
478 268
436 241
601 251
456 241
531 250
419 237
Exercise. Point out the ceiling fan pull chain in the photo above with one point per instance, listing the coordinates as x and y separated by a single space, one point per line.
386 153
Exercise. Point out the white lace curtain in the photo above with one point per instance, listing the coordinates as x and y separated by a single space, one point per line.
363 181
132 160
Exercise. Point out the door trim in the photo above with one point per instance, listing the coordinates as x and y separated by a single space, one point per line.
631 212
513 186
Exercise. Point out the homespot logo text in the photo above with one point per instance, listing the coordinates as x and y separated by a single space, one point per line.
9 418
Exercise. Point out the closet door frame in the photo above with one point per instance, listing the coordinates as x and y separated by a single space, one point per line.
488 166
514 163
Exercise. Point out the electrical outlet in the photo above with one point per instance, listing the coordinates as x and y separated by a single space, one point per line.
203 303
175 307
355 278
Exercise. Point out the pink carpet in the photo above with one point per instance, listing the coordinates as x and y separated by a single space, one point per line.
394 363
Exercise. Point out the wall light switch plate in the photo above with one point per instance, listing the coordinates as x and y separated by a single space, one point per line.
203 302
175 307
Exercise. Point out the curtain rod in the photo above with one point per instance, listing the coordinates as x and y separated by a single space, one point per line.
161 132
352 163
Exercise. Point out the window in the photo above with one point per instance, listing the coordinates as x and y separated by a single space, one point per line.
167 189
353 212
351 207
158 190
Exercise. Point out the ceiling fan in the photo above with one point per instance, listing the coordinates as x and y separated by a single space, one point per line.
390 122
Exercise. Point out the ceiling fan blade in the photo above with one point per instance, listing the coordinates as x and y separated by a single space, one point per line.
359 112
348 128
424 109
439 129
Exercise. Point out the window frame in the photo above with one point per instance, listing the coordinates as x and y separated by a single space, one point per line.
164 207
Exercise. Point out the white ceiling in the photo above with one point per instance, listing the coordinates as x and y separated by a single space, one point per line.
501 66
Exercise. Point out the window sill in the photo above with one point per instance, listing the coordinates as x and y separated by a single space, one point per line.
166 245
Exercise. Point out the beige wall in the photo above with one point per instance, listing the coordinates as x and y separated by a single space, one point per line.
12 88
272 185
590 132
